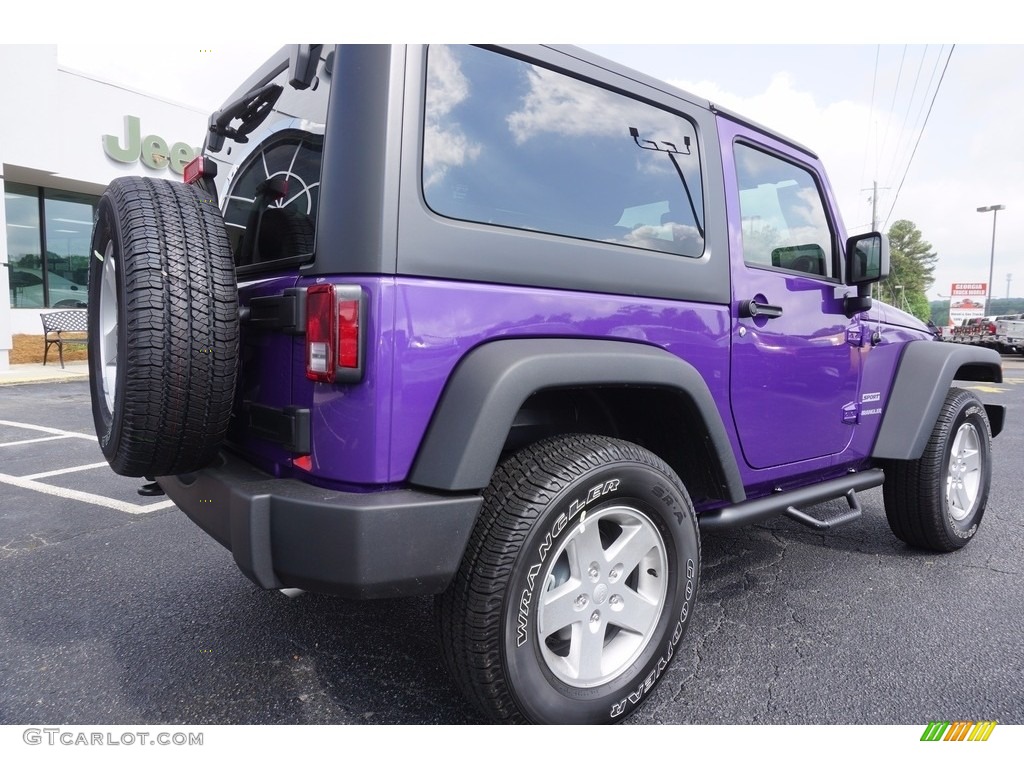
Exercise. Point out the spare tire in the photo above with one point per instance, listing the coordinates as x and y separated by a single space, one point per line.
163 327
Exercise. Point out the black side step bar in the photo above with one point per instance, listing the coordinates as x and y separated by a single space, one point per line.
756 510
823 525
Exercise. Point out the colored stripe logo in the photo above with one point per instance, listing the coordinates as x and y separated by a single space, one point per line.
958 730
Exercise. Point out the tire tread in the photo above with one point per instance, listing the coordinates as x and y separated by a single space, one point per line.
915 491
180 312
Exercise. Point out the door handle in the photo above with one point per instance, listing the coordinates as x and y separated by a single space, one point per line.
751 308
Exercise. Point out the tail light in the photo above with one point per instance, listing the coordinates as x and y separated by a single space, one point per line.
334 333
198 170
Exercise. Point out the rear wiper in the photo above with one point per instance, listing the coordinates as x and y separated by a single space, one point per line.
671 150
251 110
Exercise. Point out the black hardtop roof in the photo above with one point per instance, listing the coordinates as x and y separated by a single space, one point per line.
279 61
653 82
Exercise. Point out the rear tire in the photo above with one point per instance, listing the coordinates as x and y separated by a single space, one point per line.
936 502
578 583
163 327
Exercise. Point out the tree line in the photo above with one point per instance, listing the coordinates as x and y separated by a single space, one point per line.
912 273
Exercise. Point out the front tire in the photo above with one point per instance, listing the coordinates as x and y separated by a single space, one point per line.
578 583
936 502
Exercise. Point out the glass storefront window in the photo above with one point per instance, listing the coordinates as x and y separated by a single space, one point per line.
24 249
68 234
57 276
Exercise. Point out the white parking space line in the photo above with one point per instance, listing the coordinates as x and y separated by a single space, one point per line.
34 440
88 498
54 472
29 482
50 430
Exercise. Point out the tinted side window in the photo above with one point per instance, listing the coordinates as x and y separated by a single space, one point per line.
784 219
517 145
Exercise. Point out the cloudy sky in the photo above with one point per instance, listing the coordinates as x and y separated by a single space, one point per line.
865 110
936 125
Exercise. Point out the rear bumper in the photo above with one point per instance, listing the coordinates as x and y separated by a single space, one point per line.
286 533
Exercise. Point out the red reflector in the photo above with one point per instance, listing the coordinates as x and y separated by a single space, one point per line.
304 462
194 170
319 333
348 334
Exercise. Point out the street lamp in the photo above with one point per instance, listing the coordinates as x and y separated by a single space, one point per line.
903 296
992 259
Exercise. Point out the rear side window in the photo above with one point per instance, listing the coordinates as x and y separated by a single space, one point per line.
784 221
513 144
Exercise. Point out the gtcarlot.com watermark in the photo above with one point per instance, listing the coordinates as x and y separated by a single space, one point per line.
72 738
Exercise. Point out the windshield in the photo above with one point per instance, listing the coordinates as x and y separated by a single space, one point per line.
268 166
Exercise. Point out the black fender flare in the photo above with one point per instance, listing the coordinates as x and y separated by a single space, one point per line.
926 370
464 440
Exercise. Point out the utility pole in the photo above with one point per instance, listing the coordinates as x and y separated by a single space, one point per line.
874 218
1009 279
874 223
874 206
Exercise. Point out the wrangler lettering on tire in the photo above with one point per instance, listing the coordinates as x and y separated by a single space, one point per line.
577 585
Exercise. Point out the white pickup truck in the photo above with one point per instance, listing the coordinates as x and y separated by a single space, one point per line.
1010 334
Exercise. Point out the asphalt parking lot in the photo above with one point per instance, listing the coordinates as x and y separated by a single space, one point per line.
116 609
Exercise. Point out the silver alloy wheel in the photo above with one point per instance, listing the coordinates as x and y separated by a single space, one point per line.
963 481
108 312
604 595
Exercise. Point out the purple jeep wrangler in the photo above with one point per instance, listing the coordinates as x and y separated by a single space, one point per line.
512 326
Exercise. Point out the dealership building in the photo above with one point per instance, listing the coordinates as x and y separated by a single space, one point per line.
65 135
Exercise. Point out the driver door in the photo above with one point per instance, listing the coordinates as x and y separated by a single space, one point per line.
794 375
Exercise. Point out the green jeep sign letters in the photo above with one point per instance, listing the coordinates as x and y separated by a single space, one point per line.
152 150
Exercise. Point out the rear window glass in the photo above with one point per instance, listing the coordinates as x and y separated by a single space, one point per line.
269 185
513 144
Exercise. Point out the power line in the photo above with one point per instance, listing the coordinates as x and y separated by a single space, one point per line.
897 150
938 87
903 150
892 107
871 120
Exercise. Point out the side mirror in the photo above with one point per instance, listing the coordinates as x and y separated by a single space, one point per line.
867 262
867 259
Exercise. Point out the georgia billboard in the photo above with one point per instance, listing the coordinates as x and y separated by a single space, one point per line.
967 300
